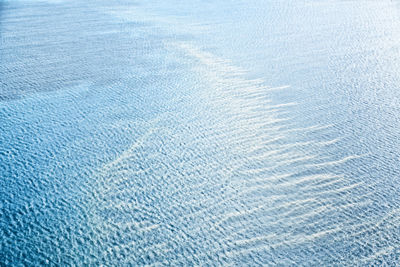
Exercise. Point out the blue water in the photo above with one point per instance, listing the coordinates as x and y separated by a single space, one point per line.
238 133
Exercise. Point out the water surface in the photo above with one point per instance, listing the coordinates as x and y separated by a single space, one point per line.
199 132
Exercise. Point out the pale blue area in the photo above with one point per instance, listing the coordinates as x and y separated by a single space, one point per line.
188 133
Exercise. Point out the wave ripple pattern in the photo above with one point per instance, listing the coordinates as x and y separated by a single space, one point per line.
142 147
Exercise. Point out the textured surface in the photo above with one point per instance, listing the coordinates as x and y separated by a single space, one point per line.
199 132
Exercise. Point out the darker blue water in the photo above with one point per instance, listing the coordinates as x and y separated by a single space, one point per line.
199 133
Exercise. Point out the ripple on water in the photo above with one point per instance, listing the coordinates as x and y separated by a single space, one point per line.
136 149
